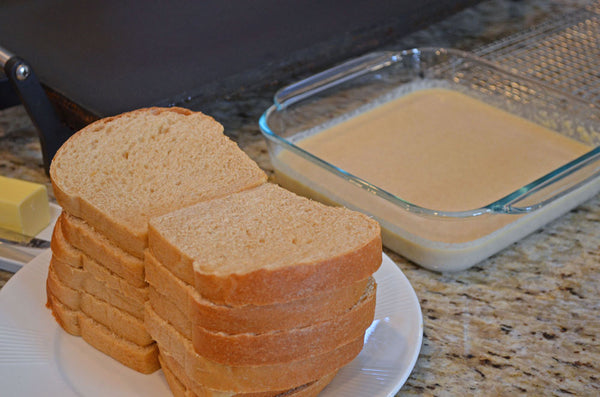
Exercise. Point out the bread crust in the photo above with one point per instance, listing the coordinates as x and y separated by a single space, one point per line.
143 359
264 287
246 379
117 321
131 241
94 287
182 385
67 302
71 276
64 294
65 317
115 283
68 283
80 235
175 384
77 323
171 312
251 318
285 345
62 249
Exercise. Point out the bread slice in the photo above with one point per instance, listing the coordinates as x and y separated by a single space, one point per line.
98 289
71 276
174 314
143 359
65 317
274 346
120 171
62 249
117 321
76 311
251 378
286 345
79 234
248 319
182 385
114 282
266 245
178 389
68 296
68 283
140 358
91 276
66 302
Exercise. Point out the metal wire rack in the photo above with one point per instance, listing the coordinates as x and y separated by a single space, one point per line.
563 52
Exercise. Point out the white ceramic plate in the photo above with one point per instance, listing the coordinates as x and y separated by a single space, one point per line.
38 358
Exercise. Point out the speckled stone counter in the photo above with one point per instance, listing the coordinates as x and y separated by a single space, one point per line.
524 322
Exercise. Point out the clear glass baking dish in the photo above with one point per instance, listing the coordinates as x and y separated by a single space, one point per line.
437 239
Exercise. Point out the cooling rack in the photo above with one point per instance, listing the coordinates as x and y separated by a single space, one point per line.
563 52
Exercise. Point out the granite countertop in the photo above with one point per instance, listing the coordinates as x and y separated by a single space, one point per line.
524 321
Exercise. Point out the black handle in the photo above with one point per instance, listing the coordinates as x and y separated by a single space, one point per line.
52 132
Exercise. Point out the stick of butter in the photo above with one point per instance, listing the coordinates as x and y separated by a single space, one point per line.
24 206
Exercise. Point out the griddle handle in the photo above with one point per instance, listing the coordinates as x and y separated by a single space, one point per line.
52 132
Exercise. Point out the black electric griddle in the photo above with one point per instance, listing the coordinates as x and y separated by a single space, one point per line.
100 58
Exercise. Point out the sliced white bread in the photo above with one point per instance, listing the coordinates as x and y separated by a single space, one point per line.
130 345
71 276
265 246
98 289
271 347
66 288
278 345
251 318
178 389
62 249
79 234
79 273
182 385
119 321
68 296
286 345
65 317
140 358
112 281
169 311
120 171
249 378
143 359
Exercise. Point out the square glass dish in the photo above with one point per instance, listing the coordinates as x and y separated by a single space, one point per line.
454 156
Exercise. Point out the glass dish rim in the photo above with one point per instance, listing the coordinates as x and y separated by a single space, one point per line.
504 205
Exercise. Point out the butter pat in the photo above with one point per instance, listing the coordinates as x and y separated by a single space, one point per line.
24 206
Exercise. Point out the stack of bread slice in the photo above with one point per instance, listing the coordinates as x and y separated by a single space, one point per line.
260 291
100 297
110 178
172 250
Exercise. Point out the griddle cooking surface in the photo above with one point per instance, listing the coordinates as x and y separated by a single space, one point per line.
113 56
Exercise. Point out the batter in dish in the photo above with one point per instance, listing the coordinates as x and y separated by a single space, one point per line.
443 150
